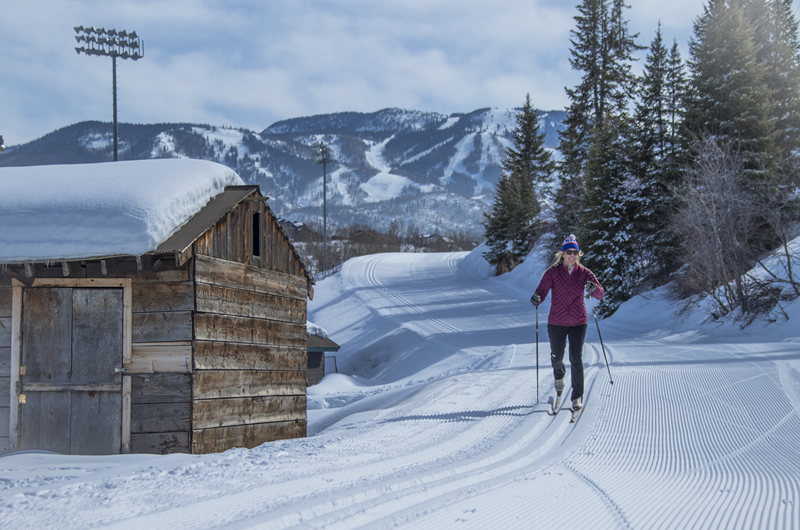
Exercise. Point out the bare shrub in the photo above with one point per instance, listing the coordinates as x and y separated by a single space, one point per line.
727 216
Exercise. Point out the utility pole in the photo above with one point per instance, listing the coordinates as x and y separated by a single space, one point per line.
322 155
111 43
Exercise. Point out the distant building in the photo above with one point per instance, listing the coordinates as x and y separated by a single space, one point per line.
317 347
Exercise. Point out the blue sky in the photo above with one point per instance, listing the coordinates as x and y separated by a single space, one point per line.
250 63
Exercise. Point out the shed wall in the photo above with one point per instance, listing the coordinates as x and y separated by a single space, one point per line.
248 384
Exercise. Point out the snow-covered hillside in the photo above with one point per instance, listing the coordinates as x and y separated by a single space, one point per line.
431 170
434 422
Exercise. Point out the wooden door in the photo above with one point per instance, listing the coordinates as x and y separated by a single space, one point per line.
71 344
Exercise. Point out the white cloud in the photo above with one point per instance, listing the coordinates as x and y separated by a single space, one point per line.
251 63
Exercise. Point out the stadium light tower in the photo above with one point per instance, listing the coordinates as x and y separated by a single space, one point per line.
322 155
111 43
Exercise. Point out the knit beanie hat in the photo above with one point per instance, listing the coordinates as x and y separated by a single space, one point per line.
570 243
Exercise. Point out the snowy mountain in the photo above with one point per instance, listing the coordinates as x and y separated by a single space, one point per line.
432 170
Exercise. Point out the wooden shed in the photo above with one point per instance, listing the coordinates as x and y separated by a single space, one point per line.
196 346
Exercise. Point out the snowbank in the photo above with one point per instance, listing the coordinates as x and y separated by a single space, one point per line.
313 329
94 210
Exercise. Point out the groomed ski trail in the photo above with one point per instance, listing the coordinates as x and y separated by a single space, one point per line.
449 435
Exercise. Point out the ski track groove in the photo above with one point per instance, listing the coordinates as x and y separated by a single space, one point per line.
720 496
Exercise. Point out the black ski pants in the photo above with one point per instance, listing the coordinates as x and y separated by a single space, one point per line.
558 344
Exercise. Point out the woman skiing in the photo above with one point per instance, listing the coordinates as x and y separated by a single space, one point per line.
568 279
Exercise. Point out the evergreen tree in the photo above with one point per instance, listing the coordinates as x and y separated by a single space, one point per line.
730 99
741 95
656 160
608 230
602 48
677 93
511 226
778 50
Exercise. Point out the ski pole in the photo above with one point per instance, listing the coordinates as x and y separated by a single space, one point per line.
537 354
601 342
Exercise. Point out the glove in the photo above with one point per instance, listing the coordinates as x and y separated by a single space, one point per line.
590 286
536 299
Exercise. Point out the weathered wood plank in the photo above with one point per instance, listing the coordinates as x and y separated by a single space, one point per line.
248 436
235 383
237 302
161 357
6 295
161 388
5 394
96 422
161 417
5 445
4 417
5 332
162 326
210 413
96 335
160 443
150 297
71 387
239 276
47 334
248 330
44 422
234 356
5 366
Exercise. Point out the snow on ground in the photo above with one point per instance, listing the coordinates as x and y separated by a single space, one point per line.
95 210
436 420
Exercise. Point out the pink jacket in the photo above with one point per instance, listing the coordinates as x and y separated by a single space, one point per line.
567 307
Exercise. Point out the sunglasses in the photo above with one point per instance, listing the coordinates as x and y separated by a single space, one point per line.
571 252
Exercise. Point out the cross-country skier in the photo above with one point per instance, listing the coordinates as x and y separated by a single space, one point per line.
568 279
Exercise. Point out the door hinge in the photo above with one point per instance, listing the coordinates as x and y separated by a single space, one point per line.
22 398
123 370
22 370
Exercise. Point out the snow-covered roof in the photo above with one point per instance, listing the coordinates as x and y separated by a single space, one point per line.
50 213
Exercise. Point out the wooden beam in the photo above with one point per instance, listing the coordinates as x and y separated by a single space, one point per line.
234 383
16 349
245 303
104 283
247 277
161 357
210 355
208 326
167 326
223 438
209 413
70 387
161 443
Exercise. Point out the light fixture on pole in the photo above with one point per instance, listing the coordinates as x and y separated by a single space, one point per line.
322 155
111 43
2 144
